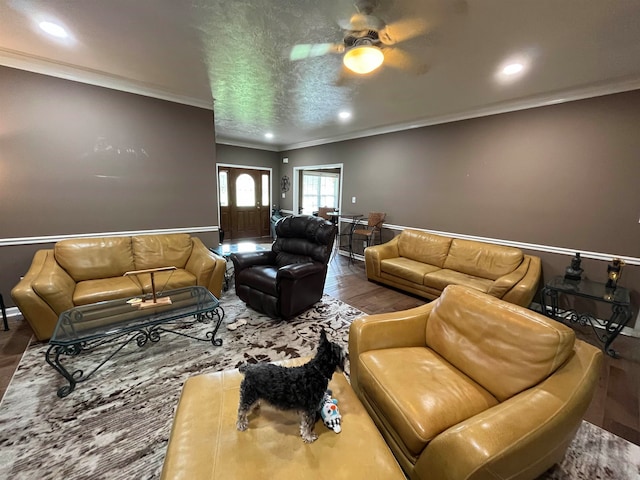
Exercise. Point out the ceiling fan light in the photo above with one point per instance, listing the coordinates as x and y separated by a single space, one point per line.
363 59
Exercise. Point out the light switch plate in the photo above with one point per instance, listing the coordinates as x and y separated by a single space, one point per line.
353 199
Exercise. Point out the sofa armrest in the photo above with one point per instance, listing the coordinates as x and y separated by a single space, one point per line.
207 266
249 259
54 285
533 428
376 253
522 293
296 271
34 309
506 282
44 293
386 330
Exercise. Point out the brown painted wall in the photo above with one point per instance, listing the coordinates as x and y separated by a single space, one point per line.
564 175
560 176
77 159
557 176
249 157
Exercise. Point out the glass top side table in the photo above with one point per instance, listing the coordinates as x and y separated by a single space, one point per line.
605 330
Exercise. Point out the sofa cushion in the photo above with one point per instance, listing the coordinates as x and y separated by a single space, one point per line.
95 258
423 247
503 347
482 259
93 291
444 277
406 268
418 393
154 251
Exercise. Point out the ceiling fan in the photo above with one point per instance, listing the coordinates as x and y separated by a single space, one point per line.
369 42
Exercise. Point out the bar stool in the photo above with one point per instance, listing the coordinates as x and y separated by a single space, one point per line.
374 225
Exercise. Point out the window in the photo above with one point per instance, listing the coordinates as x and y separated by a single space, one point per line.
224 188
319 189
245 191
265 189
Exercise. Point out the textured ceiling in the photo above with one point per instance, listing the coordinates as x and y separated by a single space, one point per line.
237 52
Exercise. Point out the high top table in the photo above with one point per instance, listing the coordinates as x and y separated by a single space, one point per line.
97 326
354 217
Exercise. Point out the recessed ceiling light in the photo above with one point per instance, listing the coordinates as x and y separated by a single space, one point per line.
268 135
53 29
344 115
513 68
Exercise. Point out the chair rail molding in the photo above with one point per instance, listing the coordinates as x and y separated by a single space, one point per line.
10 242
523 245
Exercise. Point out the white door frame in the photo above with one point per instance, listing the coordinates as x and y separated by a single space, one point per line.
296 182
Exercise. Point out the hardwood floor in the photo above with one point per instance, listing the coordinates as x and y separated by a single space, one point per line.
615 407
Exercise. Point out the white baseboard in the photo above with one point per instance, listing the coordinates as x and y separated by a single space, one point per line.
13 312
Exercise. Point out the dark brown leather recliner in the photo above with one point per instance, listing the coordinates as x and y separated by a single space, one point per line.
289 278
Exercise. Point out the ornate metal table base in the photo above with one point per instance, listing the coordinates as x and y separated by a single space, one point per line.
605 330
56 354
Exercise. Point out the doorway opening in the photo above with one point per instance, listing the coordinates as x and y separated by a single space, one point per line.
317 186
244 202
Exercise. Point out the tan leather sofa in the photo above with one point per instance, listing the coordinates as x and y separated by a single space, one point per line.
88 270
472 387
424 264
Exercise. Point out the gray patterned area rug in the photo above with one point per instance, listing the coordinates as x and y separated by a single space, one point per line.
117 424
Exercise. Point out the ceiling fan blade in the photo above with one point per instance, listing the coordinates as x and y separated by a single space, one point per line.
402 30
347 78
309 50
397 58
361 21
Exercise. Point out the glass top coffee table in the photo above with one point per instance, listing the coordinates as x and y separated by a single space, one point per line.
107 327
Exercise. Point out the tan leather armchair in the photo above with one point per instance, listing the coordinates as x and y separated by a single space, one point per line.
472 387
89 270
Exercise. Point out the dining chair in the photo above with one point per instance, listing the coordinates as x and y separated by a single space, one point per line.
323 211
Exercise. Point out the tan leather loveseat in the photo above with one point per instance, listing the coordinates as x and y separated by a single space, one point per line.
89 270
424 264
472 387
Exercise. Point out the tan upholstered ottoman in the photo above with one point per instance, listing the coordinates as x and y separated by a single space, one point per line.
205 444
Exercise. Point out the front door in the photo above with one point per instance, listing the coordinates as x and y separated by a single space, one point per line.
244 202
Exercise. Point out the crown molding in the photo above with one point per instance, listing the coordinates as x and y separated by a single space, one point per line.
67 71
36 64
620 85
247 144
